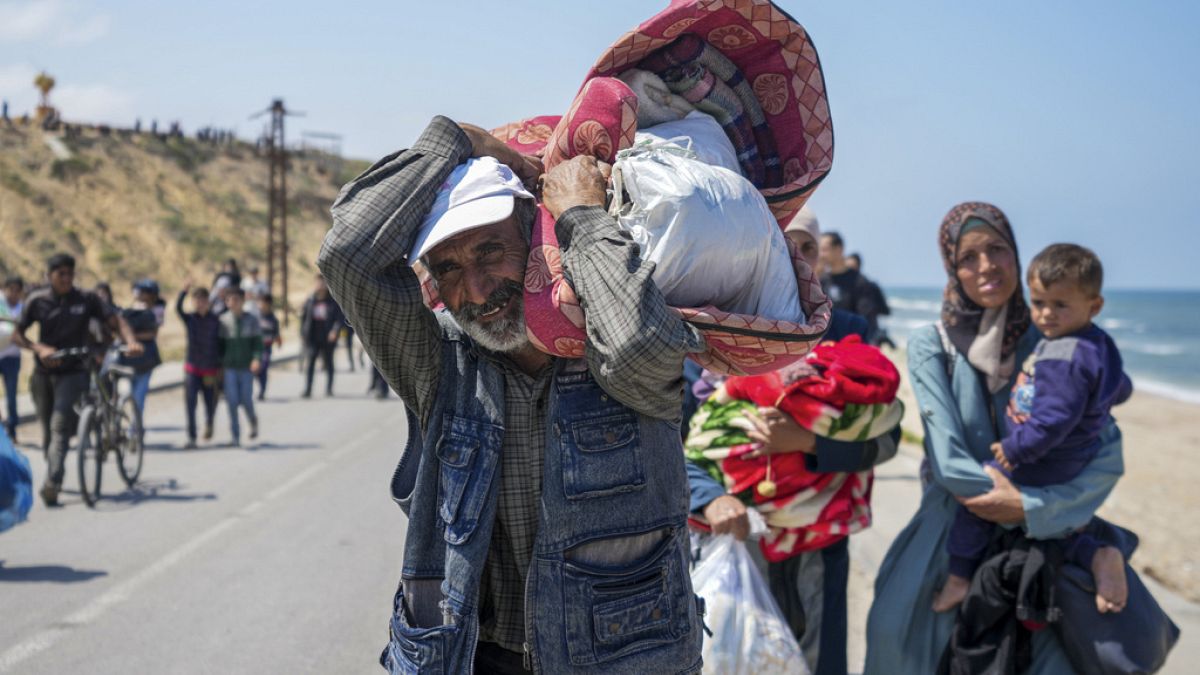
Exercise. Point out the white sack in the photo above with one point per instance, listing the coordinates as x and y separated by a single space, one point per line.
750 635
707 230
709 141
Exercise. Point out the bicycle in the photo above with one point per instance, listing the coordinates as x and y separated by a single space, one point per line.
109 421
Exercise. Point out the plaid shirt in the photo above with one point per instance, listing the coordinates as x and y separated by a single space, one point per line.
635 346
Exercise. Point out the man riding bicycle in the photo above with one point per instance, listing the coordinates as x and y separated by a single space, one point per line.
62 312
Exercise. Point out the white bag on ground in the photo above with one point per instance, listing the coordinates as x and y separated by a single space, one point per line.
708 231
749 634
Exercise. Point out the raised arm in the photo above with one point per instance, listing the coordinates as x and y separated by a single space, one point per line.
183 316
635 345
364 259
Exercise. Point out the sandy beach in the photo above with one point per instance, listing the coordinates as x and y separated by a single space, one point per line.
1160 490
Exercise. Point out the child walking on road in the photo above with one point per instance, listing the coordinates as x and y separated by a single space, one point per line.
202 369
269 324
241 346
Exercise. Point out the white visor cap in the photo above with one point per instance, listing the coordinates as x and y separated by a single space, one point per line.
479 192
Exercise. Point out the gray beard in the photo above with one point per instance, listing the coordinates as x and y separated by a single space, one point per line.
502 336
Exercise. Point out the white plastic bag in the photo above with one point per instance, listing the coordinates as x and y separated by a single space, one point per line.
750 635
708 231
709 141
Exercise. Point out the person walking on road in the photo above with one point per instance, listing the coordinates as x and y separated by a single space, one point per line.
269 323
810 586
101 335
256 287
321 323
62 313
202 367
509 445
848 289
879 337
241 344
228 277
143 320
11 303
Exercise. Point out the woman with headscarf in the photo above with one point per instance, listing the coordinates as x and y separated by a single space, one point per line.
962 369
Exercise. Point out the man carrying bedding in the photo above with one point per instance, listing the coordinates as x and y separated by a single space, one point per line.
546 497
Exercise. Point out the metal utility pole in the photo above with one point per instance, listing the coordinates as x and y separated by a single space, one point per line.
277 205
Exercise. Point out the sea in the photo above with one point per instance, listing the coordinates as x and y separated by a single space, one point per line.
1158 333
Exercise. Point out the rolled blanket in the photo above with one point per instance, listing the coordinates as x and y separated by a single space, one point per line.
656 103
843 391
756 48
703 76
806 511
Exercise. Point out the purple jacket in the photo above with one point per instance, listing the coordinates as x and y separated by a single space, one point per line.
1067 387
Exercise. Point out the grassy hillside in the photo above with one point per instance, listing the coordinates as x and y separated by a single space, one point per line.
135 205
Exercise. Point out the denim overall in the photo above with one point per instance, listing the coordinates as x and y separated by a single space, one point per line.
608 590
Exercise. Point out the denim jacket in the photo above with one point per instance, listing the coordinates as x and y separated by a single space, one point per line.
608 590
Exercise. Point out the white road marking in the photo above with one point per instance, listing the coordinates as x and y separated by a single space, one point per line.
114 596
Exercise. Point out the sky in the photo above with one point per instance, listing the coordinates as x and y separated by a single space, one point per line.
1078 119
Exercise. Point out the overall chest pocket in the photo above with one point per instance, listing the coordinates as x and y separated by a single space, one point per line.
467 452
601 454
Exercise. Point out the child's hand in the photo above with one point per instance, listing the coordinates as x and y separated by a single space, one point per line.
254 366
1015 416
998 454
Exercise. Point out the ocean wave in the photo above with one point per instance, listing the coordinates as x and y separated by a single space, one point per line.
1154 348
912 304
905 325
1166 390
1122 324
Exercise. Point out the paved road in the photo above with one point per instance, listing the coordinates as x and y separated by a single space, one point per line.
279 557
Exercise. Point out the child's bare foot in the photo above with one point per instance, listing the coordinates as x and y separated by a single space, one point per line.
952 594
1108 569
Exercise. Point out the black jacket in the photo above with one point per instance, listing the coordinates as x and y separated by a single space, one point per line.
1011 594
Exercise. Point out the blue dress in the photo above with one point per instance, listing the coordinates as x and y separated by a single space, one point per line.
904 635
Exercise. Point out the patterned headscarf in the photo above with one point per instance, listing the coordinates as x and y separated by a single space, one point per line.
973 330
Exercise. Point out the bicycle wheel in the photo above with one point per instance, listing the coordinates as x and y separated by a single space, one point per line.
90 455
129 440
